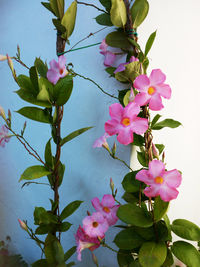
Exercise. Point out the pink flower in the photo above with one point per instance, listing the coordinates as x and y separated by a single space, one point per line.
2 57
151 89
107 207
101 141
109 56
124 122
161 183
132 96
4 136
57 70
95 225
122 67
84 241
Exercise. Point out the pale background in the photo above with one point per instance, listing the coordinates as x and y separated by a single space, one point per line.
88 170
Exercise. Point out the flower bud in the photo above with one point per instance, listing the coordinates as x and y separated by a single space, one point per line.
23 225
114 148
155 151
2 113
163 156
112 185
10 64
132 96
2 57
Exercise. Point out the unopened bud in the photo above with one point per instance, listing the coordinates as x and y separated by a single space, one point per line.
155 151
2 57
24 128
10 64
115 193
23 225
132 96
88 213
2 113
95 260
18 51
163 156
114 149
112 186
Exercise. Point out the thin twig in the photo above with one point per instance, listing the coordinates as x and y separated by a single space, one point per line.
86 78
28 183
86 4
114 157
22 63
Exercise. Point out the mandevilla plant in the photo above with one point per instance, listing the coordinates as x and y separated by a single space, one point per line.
145 236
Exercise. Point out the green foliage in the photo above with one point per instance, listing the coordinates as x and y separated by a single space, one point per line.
160 208
69 253
160 148
74 135
169 259
36 114
166 123
107 4
61 171
155 119
124 258
34 78
138 140
41 67
69 19
186 253
34 172
48 154
25 83
121 96
130 184
152 254
70 209
62 90
139 11
149 43
7 260
40 263
128 239
142 158
118 39
130 198
41 217
186 229
59 27
110 70
48 6
44 88
104 19
135 215
61 7
54 7
118 13
53 251
132 70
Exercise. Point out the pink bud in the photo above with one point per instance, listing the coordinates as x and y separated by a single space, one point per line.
132 96
23 225
155 151
112 185
2 57
2 113
10 63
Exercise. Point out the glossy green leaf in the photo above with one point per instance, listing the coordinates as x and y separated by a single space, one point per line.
61 7
155 119
169 259
186 229
118 13
40 263
141 156
134 43
135 215
166 123
70 209
25 83
41 217
61 171
128 239
69 19
54 7
160 208
69 253
118 39
139 11
41 67
160 148
36 114
152 254
132 70
149 43
48 154
53 250
34 78
186 253
167 223
34 172
107 4
110 70
104 19
130 198
44 86
59 27
130 184
135 264
121 95
126 98
124 258
74 135
64 227
63 90
48 6
138 140
72 263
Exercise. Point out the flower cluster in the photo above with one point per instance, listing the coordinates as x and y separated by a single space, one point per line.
96 225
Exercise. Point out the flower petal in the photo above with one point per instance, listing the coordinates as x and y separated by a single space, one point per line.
112 127
168 193
108 201
96 204
53 76
125 136
164 90
131 110
54 65
120 68
109 58
116 111
155 102
156 168
156 77
139 125
103 46
142 98
141 83
61 61
152 191
172 178
144 177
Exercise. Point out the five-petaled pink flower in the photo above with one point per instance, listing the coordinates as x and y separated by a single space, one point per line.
4 136
122 67
101 141
151 89
57 69
109 56
84 241
95 225
107 207
161 183
124 122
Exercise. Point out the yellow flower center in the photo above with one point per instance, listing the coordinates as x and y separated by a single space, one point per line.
106 209
158 180
126 121
95 224
151 90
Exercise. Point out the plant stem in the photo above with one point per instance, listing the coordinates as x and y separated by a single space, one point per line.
86 4
124 162
107 246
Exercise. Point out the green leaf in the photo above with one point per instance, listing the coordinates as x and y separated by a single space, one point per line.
186 253
40 263
73 135
41 67
128 239
107 4
34 172
25 83
69 253
132 70
104 19
58 25
61 171
130 184
141 156
35 114
167 223
118 13
118 39
126 98
135 215
54 7
41 217
135 264
186 229
152 254
133 42
169 259
160 208
63 90
70 209
110 70
53 250
160 148
124 258
48 154
48 6
32 98
45 87
130 198
138 140
61 7
34 78
72 263
155 119
139 11
149 43
69 19
166 123
64 227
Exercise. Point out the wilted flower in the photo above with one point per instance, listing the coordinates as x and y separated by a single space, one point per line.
109 56
57 69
